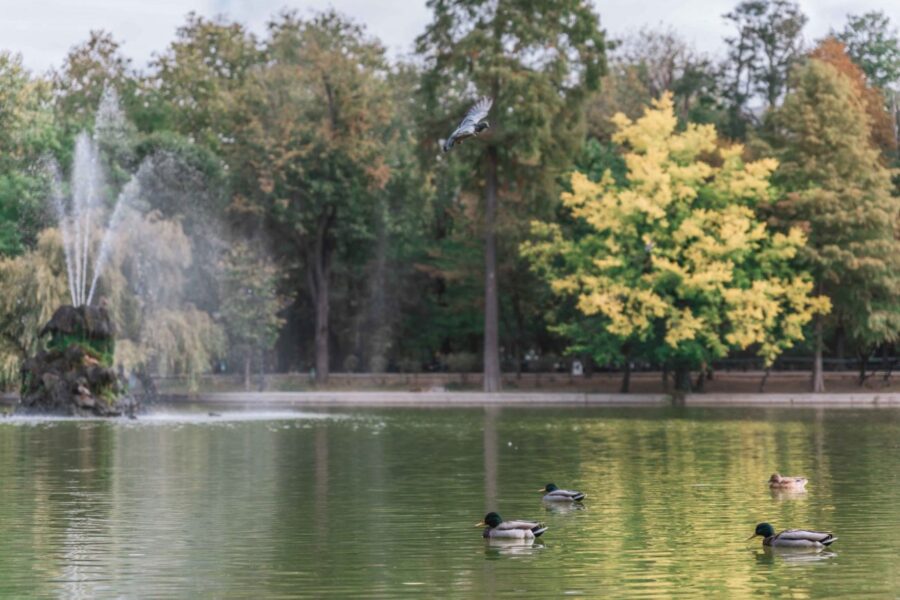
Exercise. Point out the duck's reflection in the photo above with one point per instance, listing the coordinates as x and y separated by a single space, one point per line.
787 494
769 554
562 507
495 547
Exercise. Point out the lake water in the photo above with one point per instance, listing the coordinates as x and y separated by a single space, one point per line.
382 503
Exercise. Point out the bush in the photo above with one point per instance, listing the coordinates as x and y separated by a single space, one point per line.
351 363
461 362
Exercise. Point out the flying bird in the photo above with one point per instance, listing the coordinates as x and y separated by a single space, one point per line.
472 124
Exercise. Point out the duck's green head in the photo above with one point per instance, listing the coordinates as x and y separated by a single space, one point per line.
550 487
491 520
765 530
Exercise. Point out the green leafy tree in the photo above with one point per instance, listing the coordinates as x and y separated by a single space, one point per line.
642 67
87 71
875 46
309 151
538 60
768 42
191 84
840 193
27 132
34 285
673 264
250 303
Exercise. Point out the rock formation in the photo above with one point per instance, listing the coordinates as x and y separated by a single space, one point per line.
75 375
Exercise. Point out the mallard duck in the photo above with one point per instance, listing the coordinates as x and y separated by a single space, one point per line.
496 527
781 482
793 538
554 494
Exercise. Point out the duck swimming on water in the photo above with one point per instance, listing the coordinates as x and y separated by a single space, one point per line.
793 538
496 528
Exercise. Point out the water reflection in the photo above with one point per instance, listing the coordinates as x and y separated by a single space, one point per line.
378 502
495 548
787 494
769 555
562 507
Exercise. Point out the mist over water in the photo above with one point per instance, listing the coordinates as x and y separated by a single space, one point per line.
88 225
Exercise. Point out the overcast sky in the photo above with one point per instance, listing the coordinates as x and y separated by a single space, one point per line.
44 30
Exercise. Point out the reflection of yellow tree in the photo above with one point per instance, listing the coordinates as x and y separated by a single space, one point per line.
681 492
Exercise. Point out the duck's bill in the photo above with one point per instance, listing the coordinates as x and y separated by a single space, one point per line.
750 538
481 524
542 490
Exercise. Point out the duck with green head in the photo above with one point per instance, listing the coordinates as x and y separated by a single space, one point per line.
496 528
552 493
793 538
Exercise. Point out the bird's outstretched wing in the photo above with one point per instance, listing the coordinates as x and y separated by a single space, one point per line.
466 128
476 114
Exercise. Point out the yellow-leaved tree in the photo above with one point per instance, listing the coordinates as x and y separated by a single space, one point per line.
671 264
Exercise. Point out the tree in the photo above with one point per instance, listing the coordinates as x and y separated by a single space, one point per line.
308 157
192 82
645 65
760 56
34 285
250 303
537 59
87 71
27 132
673 263
874 46
839 192
881 124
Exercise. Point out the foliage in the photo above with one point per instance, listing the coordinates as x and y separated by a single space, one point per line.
839 192
874 46
642 67
192 82
26 133
539 61
674 260
881 125
767 44
249 300
34 285
309 159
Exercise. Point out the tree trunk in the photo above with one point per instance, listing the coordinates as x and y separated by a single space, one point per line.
319 274
491 305
818 376
762 384
665 377
322 365
626 377
682 379
247 371
863 366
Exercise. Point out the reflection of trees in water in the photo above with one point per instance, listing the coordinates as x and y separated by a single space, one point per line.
491 415
56 507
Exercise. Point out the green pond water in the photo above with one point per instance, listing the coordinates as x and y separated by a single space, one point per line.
383 503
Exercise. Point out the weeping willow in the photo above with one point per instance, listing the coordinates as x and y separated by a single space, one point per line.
34 285
158 331
143 284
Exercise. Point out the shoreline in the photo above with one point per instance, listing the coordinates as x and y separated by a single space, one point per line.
407 399
525 399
